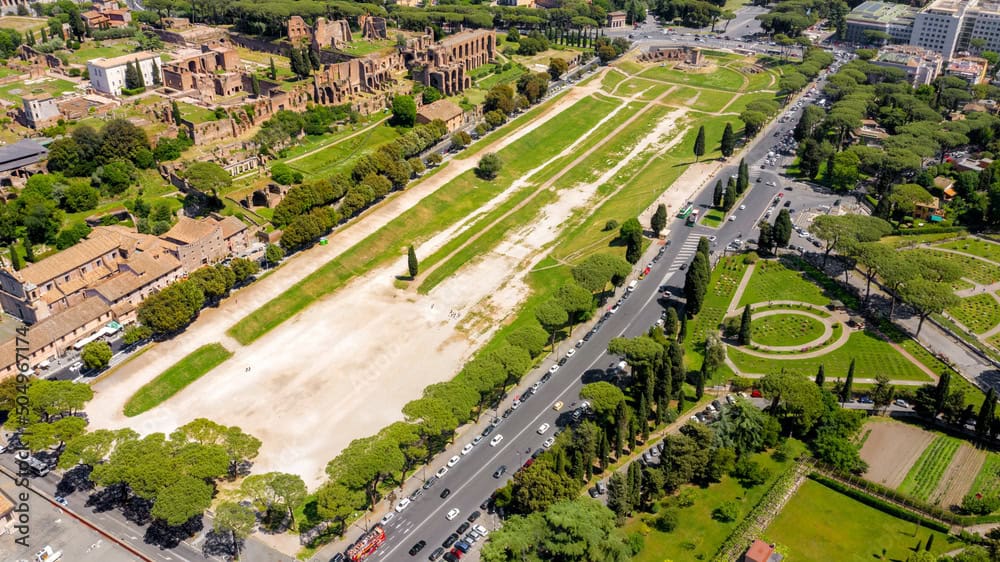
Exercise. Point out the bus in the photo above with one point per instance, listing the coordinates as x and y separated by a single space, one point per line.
686 211
692 218
367 544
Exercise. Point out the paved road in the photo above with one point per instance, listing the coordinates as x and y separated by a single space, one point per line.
471 481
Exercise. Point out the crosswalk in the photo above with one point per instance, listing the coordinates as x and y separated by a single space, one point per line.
686 252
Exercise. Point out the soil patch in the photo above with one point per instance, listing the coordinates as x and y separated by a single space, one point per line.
891 449
957 480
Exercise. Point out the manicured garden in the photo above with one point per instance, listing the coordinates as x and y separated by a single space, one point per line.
178 376
976 247
338 157
873 357
52 86
785 330
978 313
923 477
698 535
975 269
101 50
818 523
773 281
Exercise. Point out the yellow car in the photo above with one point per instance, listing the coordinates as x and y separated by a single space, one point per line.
557 406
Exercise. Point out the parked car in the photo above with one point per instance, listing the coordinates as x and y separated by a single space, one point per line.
445 493
496 440
452 513
500 471
417 547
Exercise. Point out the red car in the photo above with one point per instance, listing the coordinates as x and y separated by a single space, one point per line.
755 393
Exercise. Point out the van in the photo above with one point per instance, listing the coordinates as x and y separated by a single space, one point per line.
633 285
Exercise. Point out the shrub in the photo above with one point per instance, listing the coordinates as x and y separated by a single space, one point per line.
666 521
611 225
726 512
489 166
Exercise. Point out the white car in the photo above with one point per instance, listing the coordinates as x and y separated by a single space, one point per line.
402 505
441 471
452 514
496 440
453 461
480 529
571 352
543 428
477 440
548 442
743 207
467 449
614 308
536 386
553 369
388 517
732 218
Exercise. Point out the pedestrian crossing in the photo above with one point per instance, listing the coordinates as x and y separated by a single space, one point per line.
685 254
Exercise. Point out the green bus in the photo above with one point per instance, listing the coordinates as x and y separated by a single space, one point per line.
686 211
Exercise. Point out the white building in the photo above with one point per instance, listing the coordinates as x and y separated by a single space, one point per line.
108 75
948 26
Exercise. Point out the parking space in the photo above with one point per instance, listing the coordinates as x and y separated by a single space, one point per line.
53 527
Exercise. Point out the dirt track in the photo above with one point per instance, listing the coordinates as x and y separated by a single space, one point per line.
958 478
891 449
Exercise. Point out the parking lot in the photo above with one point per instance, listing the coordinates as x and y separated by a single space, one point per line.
53 527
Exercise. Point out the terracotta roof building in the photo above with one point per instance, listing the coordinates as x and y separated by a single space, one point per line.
445 110
760 551
54 335
199 242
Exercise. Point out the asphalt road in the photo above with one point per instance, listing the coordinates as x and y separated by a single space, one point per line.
470 480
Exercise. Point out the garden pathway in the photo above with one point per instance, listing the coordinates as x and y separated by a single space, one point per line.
828 324
740 288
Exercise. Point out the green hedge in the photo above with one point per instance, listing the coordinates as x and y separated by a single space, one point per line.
878 503
930 230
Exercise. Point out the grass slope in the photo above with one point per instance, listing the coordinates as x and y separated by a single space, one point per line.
174 379
821 524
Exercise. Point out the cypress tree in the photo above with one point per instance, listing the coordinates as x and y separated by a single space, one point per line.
744 335
29 250
729 197
604 451
45 36
695 284
699 143
255 85
644 417
680 401
273 72
682 333
411 262
820 377
31 37
728 143
717 194
986 413
845 393
699 389
139 78
16 260
743 178
941 392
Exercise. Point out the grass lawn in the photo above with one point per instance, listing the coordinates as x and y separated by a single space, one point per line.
698 536
741 103
922 479
772 281
760 81
340 155
903 241
974 246
818 523
721 78
98 50
22 24
681 96
174 379
610 80
785 329
362 47
713 218
874 356
195 113
975 269
312 142
978 313
712 101
504 77
53 86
